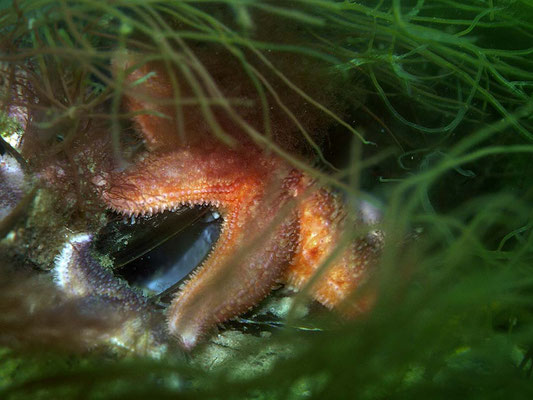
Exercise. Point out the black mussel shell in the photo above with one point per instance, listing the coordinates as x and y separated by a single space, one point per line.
155 254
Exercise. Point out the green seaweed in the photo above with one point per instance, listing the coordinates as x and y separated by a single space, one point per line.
444 86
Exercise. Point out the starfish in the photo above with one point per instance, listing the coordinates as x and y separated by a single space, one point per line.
279 224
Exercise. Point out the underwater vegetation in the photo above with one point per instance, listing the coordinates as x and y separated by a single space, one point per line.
422 109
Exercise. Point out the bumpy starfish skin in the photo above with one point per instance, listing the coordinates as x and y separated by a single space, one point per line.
322 218
235 183
277 227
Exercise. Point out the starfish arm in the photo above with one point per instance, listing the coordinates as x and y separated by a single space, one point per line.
189 176
323 219
147 92
240 272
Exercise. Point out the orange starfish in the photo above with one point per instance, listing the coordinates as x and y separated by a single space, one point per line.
278 224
